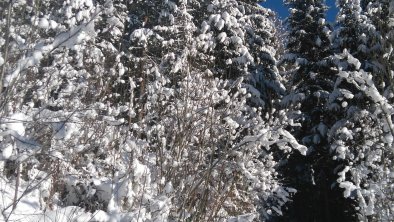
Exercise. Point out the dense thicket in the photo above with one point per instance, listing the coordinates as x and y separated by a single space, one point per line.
140 111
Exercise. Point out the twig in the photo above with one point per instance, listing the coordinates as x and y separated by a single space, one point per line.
18 175
7 41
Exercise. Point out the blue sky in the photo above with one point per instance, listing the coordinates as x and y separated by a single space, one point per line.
277 6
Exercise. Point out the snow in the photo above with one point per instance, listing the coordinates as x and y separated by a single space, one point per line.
232 124
343 74
245 57
64 130
388 137
43 23
171 19
15 123
28 207
204 27
140 170
346 93
236 40
222 37
349 188
220 24
7 151
67 39
322 21
1 60
293 141
341 151
34 59
243 218
141 35
354 61
53 24
293 98
342 174
210 8
71 213
169 188
347 133
196 120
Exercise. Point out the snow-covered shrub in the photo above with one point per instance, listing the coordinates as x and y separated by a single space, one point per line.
106 109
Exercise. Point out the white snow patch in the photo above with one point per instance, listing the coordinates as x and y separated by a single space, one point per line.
1 60
43 23
7 151
15 123
221 37
349 188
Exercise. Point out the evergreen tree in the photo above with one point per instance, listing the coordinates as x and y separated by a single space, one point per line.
237 39
380 32
311 78
362 137
350 29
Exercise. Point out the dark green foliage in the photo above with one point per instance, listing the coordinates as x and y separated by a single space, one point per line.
311 77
